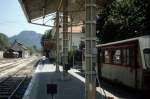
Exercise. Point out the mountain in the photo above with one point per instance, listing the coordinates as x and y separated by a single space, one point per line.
28 38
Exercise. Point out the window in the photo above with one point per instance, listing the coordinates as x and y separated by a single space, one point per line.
106 56
147 57
124 56
128 56
117 57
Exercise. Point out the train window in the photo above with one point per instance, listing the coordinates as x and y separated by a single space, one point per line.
127 56
117 57
131 57
106 56
124 56
147 57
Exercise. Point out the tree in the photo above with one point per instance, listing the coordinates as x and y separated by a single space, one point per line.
46 36
120 20
49 45
4 41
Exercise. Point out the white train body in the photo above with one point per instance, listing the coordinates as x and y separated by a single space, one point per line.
126 62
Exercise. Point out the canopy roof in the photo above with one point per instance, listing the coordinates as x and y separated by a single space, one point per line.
34 9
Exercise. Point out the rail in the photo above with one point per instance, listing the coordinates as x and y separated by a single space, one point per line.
11 84
15 90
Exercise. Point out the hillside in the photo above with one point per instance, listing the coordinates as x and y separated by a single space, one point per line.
4 41
28 38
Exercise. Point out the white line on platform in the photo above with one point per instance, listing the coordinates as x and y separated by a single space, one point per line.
98 89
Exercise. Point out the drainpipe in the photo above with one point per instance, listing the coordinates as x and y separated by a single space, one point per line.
90 49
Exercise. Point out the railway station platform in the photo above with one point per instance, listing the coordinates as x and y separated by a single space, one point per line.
70 87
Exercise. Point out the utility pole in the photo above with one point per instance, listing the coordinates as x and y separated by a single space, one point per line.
65 35
57 36
90 49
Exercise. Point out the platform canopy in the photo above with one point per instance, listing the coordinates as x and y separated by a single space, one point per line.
34 9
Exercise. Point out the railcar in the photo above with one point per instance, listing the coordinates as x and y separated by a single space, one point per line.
126 62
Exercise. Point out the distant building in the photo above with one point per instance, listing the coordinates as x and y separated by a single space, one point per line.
17 50
74 37
1 51
1 54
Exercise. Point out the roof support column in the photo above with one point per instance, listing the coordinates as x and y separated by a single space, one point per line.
90 49
147 22
57 36
71 31
65 32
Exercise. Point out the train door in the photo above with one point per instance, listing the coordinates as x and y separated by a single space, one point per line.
147 57
99 61
146 72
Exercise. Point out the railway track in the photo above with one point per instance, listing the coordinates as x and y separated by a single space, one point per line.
11 65
5 61
14 86
11 62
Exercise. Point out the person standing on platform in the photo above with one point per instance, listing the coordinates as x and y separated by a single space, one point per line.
43 60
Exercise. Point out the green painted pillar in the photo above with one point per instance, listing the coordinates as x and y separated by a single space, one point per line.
90 49
57 41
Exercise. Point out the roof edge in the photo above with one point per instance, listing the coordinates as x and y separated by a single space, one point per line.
24 11
122 41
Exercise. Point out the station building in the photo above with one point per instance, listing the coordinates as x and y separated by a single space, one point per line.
17 50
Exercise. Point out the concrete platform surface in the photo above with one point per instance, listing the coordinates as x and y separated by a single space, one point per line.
71 88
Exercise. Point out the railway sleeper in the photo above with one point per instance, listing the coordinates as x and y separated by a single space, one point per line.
4 97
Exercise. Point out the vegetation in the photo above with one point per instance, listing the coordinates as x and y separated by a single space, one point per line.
4 41
49 47
122 19
76 55
47 35
34 50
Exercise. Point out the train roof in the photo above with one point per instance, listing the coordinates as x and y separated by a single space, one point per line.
122 41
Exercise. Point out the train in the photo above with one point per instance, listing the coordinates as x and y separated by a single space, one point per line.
126 62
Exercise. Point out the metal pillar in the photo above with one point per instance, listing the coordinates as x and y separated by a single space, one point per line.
147 16
71 32
90 49
57 36
65 32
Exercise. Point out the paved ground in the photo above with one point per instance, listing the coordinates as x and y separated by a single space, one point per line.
72 88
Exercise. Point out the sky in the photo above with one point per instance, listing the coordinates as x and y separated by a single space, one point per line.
13 20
